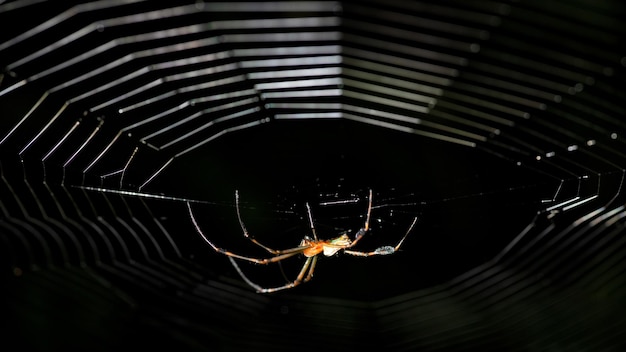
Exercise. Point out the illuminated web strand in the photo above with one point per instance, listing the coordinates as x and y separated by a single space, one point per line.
55 147
61 141
409 130
140 194
43 130
94 27
185 120
126 166
81 147
139 38
63 17
205 141
84 144
28 114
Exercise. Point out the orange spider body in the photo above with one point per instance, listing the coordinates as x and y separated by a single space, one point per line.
328 247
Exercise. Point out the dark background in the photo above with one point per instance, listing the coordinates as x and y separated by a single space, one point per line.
530 121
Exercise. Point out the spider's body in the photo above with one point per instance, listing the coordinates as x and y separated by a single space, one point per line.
310 247
327 247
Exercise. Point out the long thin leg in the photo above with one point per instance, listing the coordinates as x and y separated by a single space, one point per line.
406 234
309 265
384 250
247 234
308 209
244 277
284 253
366 227
309 276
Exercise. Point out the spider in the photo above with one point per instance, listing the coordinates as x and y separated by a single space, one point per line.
310 247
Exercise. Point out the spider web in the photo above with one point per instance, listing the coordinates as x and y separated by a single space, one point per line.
115 114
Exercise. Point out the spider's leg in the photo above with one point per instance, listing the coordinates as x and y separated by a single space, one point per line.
406 234
309 265
244 277
247 234
284 254
384 250
308 209
366 227
309 276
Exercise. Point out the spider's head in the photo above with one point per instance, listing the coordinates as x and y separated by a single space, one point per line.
306 241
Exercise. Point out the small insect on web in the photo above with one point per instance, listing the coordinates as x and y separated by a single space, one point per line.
310 247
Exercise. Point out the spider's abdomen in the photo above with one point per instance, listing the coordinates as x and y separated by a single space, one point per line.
333 246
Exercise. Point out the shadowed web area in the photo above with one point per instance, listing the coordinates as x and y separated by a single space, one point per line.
128 127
